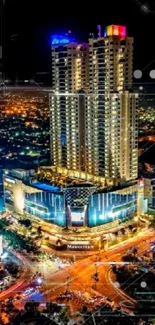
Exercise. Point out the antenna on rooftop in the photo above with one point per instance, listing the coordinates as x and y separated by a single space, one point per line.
99 30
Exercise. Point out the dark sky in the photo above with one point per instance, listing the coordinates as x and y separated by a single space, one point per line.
35 20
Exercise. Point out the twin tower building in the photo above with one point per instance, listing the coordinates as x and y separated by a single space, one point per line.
94 145
93 118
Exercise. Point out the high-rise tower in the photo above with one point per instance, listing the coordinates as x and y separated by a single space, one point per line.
112 146
93 120
67 117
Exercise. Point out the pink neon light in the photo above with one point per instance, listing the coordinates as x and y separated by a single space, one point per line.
115 30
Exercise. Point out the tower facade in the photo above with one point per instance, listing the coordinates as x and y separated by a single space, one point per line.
113 144
70 75
93 120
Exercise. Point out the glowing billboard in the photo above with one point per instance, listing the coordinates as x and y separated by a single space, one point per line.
115 30
60 39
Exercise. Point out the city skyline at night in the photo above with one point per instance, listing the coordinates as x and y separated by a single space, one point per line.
77 163
92 109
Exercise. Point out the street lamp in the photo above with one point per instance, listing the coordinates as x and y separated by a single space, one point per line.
67 283
39 281
99 244
136 219
95 276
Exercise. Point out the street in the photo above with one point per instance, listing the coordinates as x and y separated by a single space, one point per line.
77 278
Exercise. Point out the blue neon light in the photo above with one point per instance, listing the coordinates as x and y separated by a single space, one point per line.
107 207
61 39
47 187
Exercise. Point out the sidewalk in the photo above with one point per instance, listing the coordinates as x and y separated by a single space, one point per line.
67 253
85 254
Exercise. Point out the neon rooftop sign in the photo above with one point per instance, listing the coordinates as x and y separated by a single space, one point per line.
115 30
61 39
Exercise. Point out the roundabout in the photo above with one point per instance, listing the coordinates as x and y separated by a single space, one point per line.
25 273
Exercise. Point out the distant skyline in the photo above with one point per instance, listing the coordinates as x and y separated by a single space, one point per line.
29 24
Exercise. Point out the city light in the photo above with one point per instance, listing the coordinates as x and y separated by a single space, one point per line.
4 255
39 281
115 30
77 223
59 39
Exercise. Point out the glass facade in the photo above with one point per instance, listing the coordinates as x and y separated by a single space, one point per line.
107 207
46 205
78 217
102 207
76 206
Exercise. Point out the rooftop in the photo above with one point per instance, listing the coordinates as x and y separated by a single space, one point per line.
115 30
61 39
46 187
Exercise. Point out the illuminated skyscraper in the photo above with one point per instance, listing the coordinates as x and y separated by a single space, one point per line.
93 129
70 62
93 110
112 146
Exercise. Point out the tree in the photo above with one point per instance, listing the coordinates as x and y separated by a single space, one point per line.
53 307
63 317
3 224
123 231
25 222
12 268
17 241
32 306
135 250
84 310
116 234
130 227
39 230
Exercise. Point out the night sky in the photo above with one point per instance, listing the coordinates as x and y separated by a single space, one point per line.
33 21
